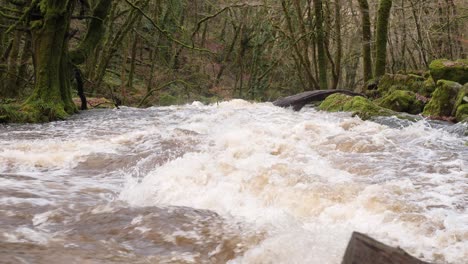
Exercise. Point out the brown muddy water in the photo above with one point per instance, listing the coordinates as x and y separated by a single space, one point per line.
229 183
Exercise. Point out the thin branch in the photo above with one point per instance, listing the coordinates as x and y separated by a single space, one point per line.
23 17
86 17
9 16
165 32
11 10
150 92
203 20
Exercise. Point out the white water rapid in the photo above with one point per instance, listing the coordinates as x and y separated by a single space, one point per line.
234 182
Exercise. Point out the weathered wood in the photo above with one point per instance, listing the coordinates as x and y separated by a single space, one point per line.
300 100
365 250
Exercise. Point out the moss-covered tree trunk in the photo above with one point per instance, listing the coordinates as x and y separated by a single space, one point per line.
383 18
322 60
11 73
366 39
51 98
94 34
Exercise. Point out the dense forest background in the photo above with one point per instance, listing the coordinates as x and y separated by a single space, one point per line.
142 52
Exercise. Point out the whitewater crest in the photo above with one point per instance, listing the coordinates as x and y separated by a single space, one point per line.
235 182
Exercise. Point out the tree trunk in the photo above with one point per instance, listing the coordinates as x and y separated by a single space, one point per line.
420 42
366 39
339 44
383 17
51 98
12 89
22 80
132 62
322 60
94 33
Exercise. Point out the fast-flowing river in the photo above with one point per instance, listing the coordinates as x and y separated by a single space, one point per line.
233 182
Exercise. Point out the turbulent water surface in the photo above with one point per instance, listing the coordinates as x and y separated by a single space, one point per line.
229 183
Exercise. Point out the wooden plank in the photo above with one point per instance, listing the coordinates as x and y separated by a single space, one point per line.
363 249
300 100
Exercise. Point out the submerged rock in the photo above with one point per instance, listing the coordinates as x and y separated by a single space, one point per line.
443 99
358 105
402 101
456 71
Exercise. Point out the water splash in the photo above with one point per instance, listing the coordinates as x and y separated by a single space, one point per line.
278 186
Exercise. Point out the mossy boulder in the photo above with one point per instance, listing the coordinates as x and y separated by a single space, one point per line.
358 105
460 108
462 98
461 114
409 82
443 99
428 87
456 71
402 101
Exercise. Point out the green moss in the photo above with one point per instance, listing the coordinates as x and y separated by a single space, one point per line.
428 87
208 100
166 99
14 113
410 82
402 101
462 113
456 71
39 111
462 98
383 18
9 113
443 99
358 105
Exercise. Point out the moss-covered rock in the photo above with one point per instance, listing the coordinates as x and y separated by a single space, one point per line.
409 82
402 101
443 99
462 113
358 105
428 87
456 71
462 98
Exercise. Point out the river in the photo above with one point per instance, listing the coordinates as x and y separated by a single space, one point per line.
234 182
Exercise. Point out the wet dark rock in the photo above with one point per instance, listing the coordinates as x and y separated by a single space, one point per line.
300 100
408 82
363 249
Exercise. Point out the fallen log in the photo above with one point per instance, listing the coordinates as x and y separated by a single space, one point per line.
363 249
300 100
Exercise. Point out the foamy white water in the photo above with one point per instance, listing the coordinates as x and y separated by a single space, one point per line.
234 182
